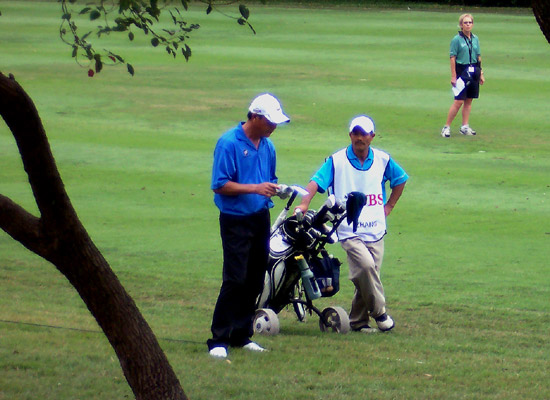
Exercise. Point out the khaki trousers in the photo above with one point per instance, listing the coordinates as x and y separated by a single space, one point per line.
365 260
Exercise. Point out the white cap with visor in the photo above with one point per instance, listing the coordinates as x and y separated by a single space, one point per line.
268 106
364 122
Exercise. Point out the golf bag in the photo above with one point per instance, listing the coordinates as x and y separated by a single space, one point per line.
300 269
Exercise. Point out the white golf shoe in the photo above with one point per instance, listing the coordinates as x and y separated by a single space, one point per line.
385 322
252 346
446 131
366 329
218 352
466 130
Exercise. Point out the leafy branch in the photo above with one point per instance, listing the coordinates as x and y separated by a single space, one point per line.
133 17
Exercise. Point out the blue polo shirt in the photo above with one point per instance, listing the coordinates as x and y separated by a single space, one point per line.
324 177
236 159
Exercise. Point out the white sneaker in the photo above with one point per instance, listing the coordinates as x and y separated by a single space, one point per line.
218 352
253 347
446 131
366 329
384 322
466 130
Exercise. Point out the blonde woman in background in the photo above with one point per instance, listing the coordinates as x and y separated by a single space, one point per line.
465 56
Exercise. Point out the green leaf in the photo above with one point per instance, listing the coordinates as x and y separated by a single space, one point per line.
241 21
186 51
94 15
84 10
130 69
66 16
244 11
75 51
98 65
174 20
123 6
209 9
131 36
155 42
185 4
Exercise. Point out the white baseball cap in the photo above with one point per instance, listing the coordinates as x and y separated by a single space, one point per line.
268 106
363 122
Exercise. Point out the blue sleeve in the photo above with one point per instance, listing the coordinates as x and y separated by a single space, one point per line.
273 156
395 174
324 176
224 168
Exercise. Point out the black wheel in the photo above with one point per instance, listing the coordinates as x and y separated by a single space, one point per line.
337 319
266 322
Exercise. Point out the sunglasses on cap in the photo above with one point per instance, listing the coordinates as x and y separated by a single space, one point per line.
360 131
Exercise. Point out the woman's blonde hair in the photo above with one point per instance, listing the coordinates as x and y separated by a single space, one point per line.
461 18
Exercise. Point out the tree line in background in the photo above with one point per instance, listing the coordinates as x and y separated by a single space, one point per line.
476 3
469 3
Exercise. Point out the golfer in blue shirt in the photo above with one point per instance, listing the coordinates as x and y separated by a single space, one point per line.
243 181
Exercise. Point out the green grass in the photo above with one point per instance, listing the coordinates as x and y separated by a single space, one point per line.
466 271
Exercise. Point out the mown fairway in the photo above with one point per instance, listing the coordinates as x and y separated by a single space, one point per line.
466 269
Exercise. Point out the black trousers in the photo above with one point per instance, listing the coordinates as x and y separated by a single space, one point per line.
245 241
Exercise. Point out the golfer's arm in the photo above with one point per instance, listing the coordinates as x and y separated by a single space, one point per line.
233 188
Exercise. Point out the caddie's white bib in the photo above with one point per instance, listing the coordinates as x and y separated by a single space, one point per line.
347 178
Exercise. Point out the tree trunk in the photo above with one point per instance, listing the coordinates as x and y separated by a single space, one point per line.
541 9
59 237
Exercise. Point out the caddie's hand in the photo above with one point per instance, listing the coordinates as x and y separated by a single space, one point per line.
303 208
267 189
453 82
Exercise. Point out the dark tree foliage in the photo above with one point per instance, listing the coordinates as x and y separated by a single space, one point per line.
132 17
478 3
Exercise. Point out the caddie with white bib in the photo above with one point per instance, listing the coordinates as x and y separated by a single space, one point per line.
358 173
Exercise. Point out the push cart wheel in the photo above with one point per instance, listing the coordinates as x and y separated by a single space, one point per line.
266 322
337 320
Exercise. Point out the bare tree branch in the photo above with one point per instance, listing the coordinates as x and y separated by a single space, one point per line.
19 223
59 237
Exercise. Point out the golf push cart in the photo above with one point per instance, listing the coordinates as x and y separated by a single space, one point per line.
300 270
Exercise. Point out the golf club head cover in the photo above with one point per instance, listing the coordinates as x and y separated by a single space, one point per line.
354 205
